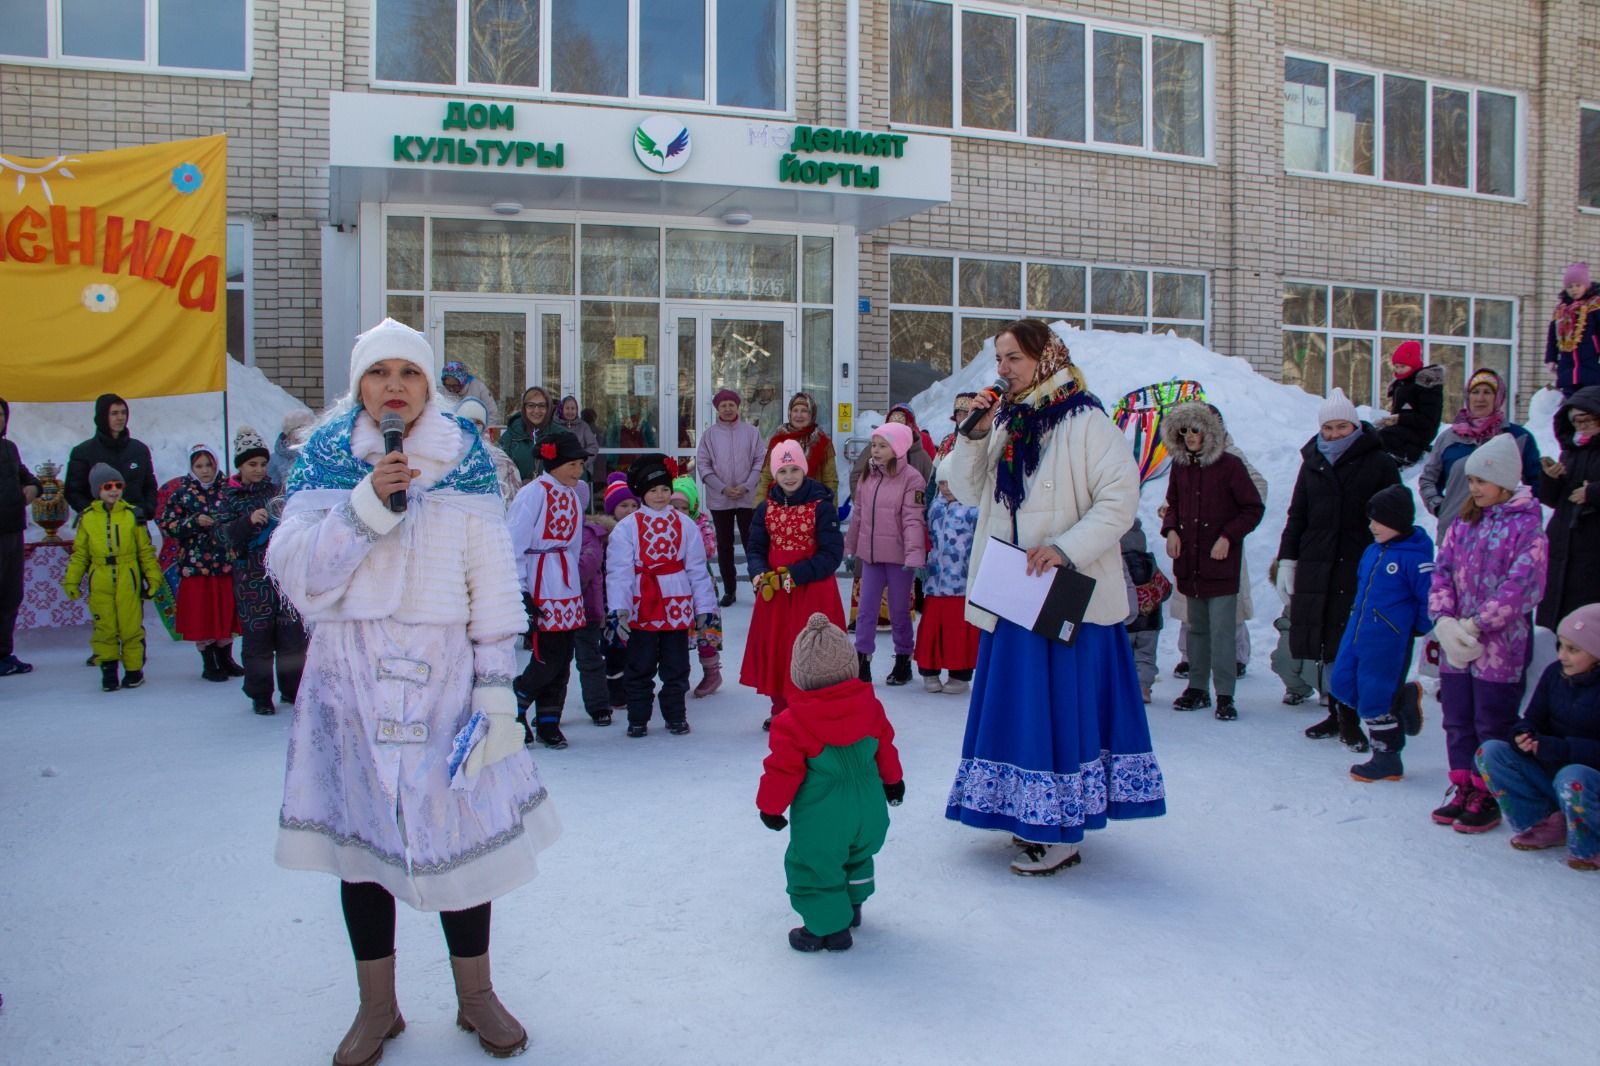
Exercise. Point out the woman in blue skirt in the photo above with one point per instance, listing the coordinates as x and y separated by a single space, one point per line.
1056 737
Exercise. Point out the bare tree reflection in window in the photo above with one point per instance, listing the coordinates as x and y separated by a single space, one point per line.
1118 88
1056 288
751 54
988 71
1352 368
1055 80
1304 361
990 283
1355 308
1492 318
504 42
920 48
1405 120
1118 292
1588 157
589 47
921 279
416 41
1447 316
1451 137
1305 305
1178 107
1497 144
1178 295
1453 357
1355 124
1402 312
919 351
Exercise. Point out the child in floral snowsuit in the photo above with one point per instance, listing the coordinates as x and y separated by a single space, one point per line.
945 639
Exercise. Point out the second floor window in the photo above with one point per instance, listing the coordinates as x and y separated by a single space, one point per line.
1399 130
1589 157
183 36
723 53
1044 77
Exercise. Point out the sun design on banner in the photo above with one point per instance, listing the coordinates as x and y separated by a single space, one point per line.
43 172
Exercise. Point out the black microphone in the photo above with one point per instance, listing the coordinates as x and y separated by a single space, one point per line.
974 416
393 428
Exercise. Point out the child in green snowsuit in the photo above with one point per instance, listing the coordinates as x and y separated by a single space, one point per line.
834 762
113 548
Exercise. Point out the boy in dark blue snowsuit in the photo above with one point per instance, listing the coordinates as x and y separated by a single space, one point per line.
1391 610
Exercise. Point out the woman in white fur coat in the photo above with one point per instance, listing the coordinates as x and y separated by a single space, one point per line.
407 777
1056 738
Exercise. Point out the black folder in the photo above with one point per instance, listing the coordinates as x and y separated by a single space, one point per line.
1065 602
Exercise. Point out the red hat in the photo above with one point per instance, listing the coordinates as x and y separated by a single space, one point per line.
1407 356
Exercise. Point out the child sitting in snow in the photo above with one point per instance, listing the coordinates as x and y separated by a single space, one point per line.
1546 778
945 639
1369 671
832 761
113 548
793 552
658 589
707 642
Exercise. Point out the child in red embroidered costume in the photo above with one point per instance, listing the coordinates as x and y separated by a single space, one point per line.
794 552
657 590
546 521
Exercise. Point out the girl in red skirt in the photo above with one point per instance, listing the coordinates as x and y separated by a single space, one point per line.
945 639
206 613
794 552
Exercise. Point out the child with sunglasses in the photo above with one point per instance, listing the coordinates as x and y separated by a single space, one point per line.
114 549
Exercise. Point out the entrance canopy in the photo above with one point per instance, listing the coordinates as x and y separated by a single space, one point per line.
438 151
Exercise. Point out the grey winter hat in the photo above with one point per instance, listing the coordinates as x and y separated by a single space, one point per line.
1498 462
823 655
1337 408
101 473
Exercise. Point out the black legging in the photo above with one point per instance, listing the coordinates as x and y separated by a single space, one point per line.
369 919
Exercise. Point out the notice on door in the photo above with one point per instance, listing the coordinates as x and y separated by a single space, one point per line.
846 418
615 382
644 381
629 348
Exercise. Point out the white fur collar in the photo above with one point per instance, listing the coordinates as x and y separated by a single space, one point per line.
435 445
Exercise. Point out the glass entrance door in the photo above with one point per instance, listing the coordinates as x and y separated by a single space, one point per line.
508 345
752 351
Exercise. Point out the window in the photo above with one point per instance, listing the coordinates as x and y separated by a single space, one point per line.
1399 130
1343 335
239 311
1065 81
1589 157
721 53
943 307
172 36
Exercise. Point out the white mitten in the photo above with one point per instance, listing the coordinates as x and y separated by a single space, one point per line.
1285 582
1459 646
504 736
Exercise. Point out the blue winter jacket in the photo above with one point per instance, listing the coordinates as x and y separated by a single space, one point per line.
1565 715
829 541
1391 608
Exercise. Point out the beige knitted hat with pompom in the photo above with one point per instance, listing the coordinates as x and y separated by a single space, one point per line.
823 655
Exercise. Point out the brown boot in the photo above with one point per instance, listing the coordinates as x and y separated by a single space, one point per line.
480 1011
377 1019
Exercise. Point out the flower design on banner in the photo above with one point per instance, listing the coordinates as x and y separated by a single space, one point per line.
100 298
187 178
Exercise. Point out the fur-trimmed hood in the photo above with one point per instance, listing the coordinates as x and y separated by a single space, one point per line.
1194 414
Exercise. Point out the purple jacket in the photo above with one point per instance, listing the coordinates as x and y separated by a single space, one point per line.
888 523
1493 572
592 567
730 453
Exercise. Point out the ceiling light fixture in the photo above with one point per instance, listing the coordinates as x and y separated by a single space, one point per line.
506 207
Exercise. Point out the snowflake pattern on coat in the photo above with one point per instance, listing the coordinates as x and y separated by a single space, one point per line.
951 526
1493 572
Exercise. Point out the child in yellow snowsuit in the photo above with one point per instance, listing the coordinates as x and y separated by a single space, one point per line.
114 548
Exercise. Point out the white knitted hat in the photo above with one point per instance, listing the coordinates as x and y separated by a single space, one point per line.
390 340
1498 462
472 410
1337 408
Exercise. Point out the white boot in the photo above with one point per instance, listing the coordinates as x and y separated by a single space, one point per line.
956 688
931 684
1041 860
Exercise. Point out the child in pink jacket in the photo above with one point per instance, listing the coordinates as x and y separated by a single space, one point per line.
888 538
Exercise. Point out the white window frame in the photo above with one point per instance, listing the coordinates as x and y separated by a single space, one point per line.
633 98
148 65
1520 179
247 238
1085 319
1330 333
1586 105
1020 16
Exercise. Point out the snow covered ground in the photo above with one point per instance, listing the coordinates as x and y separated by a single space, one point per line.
1280 913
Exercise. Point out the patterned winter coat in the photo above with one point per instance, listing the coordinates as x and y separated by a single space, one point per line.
1493 572
254 593
784 521
951 526
201 552
592 567
1572 344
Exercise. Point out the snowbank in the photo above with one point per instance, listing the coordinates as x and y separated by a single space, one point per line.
168 424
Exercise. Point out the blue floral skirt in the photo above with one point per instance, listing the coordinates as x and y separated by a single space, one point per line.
1057 740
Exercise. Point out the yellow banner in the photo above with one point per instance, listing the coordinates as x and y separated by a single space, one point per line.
113 272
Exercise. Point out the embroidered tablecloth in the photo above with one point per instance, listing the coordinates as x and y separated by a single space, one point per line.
44 605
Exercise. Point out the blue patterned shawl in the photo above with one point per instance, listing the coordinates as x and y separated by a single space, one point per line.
326 462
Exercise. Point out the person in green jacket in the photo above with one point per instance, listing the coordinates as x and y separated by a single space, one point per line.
833 764
113 548
523 430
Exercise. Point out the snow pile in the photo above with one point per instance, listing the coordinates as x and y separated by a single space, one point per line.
168 424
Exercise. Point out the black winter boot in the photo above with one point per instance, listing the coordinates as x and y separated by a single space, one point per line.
225 660
1226 711
527 733
901 674
133 679
864 667
214 671
1350 734
1193 699
1328 727
108 676
803 939
1408 708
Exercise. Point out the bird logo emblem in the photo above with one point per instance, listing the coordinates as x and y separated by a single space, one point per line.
661 144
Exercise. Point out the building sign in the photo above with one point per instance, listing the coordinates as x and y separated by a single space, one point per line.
662 144
846 420
810 140
499 151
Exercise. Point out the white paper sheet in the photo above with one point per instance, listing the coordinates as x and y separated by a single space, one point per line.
1004 587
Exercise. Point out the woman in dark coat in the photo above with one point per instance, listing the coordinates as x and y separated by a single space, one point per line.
1342 468
1568 485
